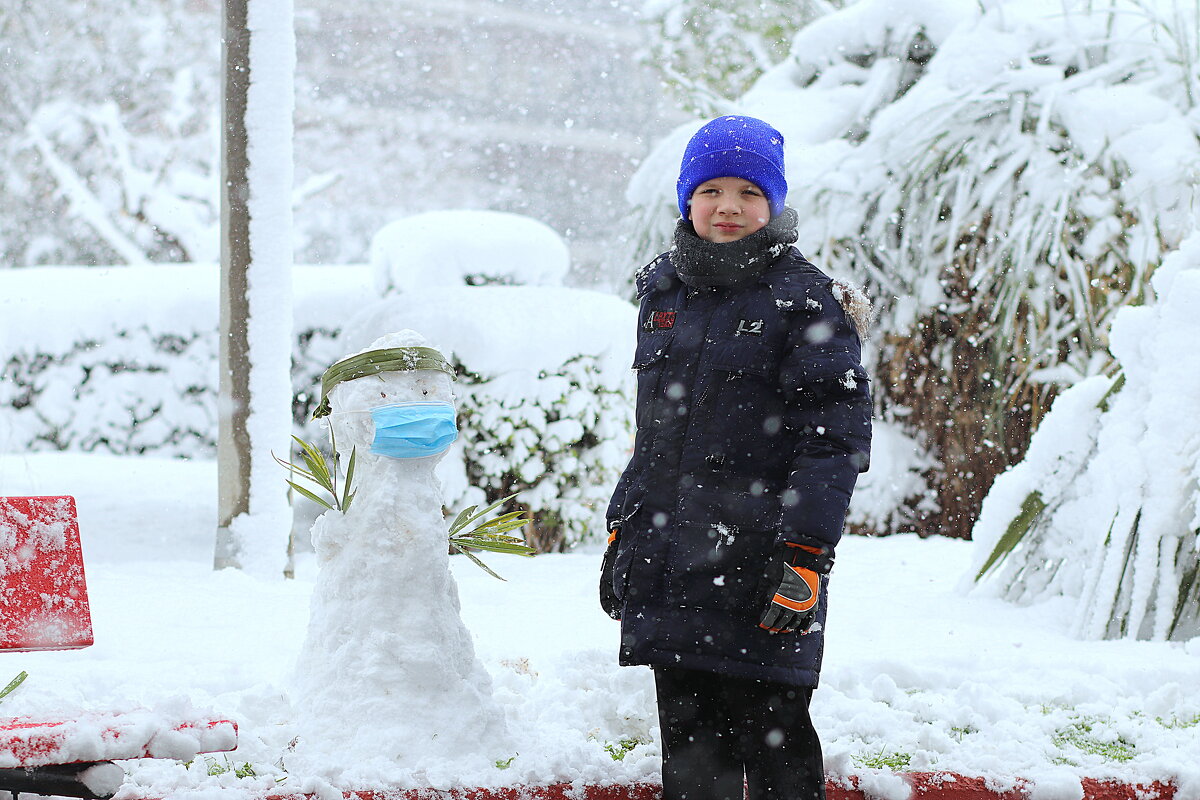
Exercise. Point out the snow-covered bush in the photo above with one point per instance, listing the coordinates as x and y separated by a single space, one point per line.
130 390
892 495
545 406
123 360
563 450
1105 507
544 395
118 361
453 248
1003 176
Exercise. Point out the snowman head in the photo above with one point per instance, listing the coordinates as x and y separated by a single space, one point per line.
392 400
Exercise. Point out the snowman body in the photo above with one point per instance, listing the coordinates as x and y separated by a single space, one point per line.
387 675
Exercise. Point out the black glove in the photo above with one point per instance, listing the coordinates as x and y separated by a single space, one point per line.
608 596
793 587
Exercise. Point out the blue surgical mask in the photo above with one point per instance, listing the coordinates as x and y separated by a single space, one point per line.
413 430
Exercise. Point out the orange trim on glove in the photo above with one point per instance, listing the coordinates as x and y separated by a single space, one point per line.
806 603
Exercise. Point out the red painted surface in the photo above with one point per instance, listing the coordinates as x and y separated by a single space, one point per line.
44 606
951 786
558 791
43 594
924 785
27 742
1108 790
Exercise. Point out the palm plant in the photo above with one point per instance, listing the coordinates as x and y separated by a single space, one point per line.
1104 507
990 182
13 684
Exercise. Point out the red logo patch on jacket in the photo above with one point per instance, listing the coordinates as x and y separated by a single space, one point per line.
660 320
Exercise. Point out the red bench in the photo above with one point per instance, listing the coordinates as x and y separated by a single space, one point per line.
44 606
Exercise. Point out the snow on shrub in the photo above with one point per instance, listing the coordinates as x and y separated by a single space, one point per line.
452 248
124 360
118 361
544 395
892 495
1105 507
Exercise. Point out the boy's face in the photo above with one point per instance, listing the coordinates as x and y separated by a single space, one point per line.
728 209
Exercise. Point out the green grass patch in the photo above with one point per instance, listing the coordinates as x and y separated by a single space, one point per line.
960 732
215 767
883 759
1079 736
1178 723
622 747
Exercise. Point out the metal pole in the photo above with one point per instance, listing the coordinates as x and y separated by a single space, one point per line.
233 438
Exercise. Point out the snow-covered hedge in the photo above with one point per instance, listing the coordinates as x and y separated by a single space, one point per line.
109 360
124 360
544 394
467 247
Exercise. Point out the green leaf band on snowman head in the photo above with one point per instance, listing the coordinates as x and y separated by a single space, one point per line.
373 362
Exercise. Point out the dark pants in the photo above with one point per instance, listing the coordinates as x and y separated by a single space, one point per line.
717 729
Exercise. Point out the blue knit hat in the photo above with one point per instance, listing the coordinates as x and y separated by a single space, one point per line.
734 147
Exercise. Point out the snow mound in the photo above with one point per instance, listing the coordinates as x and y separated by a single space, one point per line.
452 248
501 329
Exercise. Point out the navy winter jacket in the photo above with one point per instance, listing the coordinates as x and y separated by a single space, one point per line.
753 422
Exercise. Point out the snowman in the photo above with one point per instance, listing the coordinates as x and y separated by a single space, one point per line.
387 680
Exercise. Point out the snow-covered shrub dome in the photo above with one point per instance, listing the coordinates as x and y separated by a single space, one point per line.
453 248
544 395
1105 507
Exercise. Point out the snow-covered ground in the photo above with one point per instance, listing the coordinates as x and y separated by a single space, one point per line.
917 675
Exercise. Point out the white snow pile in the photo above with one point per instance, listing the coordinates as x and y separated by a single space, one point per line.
1110 488
453 248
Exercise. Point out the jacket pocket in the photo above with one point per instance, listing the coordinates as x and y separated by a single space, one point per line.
651 349
749 503
649 360
717 567
741 358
